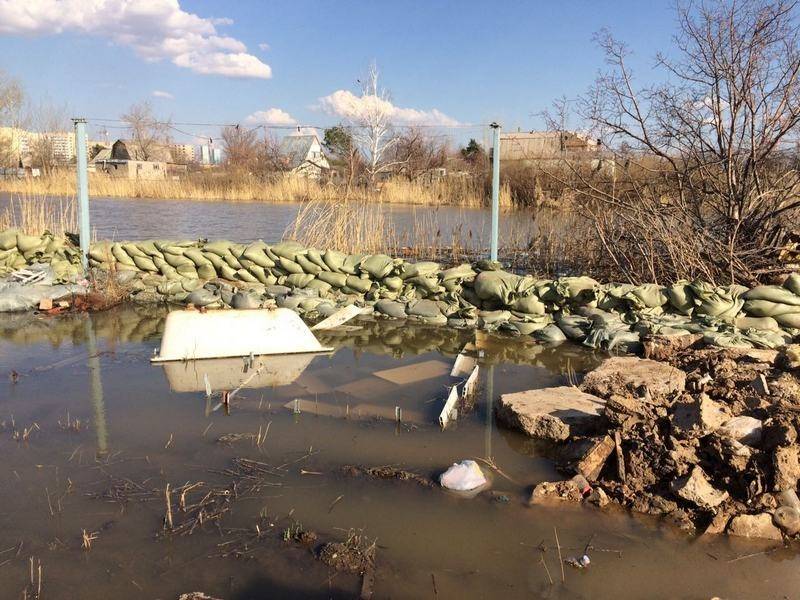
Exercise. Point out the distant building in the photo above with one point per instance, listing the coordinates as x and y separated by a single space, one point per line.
302 155
22 144
209 155
122 160
532 145
183 153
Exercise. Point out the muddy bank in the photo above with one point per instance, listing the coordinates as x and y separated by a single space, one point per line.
704 438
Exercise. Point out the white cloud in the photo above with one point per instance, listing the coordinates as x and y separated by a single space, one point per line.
271 116
155 29
343 103
263 46
162 94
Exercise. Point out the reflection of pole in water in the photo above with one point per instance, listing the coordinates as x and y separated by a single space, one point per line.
489 411
96 388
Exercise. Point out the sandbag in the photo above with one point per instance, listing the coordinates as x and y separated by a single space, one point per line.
320 286
358 284
8 239
145 263
424 308
120 256
496 285
390 308
288 249
530 305
792 283
290 266
299 280
419 269
773 293
550 335
220 248
256 252
338 280
377 266
334 260
765 308
307 265
791 320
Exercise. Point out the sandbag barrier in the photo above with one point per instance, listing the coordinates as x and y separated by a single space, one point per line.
480 295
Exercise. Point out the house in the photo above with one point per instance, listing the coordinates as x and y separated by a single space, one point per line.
536 145
125 159
302 155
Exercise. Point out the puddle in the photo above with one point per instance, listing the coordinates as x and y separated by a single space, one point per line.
143 426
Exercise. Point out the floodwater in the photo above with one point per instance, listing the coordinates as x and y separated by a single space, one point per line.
137 219
143 427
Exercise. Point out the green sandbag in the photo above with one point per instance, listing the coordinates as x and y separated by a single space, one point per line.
121 256
550 334
315 257
648 295
132 249
291 267
220 248
575 287
8 239
530 305
308 266
256 252
429 284
377 266
680 297
772 293
352 264
207 272
765 323
419 269
245 275
575 327
188 270
26 243
493 317
227 272
426 309
145 263
496 285
299 280
390 308
149 248
288 249
216 261
394 284
529 327
356 283
791 320
792 283
177 260
101 252
765 308
197 257
720 302
726 339
453 286
231 260
338 280
334 260
317 284
463 272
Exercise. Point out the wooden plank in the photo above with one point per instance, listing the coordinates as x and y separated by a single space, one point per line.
449 411
463 366
341 316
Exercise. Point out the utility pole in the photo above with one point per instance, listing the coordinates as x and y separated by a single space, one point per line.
81 168
495 188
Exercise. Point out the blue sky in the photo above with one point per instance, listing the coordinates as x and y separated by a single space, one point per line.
473 61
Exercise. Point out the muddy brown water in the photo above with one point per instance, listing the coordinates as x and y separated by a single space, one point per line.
430 544
139 218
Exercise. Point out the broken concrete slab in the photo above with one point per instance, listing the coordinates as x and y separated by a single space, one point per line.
662 347
786 465
754 526
743 429
621 373
413 373
695 488
594 458
698 417
548 492
550 413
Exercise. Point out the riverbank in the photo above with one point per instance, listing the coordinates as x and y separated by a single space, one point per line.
248 188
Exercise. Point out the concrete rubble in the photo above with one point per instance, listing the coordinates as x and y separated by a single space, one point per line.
706 440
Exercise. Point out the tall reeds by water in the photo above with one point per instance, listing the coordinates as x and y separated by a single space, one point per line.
34 214
249 188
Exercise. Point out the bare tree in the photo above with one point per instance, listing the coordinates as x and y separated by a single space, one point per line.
12 98
149 135
416 153
241 147
50 143
706 185
373 131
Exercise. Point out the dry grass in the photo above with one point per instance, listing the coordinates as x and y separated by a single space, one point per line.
232 187
34 214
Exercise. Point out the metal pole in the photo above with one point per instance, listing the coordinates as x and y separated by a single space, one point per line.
495 188
81 168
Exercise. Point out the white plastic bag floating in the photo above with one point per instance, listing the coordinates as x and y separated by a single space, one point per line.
463 477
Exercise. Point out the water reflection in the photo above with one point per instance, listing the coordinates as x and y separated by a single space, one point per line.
96 389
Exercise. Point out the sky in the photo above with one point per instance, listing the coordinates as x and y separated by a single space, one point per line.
297 62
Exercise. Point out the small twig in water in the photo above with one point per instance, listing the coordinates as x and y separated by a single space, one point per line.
560 559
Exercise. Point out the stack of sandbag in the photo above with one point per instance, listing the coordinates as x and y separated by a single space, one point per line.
775 306
18 250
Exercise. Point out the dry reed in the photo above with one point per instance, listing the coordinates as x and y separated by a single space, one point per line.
35 214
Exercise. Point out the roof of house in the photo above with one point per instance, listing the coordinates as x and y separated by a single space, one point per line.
102 155
131 150
295 148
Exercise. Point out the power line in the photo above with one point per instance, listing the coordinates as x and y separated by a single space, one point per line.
298 126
